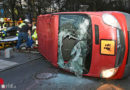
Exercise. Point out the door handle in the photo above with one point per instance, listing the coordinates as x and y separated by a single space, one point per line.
96 34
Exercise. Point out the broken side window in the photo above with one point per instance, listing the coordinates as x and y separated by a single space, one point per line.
73 45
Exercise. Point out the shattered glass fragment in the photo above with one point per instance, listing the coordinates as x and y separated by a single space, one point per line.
73 29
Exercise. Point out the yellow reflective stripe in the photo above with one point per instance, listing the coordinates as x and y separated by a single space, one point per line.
20 26
34 35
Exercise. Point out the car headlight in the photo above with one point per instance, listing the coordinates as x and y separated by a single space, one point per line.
109 72
110 20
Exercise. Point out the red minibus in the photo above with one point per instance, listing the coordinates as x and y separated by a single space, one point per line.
86 43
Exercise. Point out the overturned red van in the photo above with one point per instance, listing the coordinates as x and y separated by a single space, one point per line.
86 43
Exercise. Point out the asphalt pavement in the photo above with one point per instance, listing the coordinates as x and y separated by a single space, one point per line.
39 74
17 58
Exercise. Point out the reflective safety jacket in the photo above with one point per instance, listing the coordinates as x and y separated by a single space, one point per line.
34 36
20 26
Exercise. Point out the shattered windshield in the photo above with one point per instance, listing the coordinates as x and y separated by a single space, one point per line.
74 42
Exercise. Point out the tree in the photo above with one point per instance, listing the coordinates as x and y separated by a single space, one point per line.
16 9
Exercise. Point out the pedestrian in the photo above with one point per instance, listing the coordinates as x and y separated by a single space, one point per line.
24 33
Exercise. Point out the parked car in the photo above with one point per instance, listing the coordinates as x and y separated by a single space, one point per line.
86 43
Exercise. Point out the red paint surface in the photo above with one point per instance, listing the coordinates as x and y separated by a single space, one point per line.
1 81
101 62
121 19
47 29
48 37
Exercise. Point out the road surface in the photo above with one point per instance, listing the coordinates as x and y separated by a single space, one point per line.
41 75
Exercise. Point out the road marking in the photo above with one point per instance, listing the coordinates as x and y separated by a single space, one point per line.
6 64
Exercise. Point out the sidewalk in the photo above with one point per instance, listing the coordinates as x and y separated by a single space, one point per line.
17 58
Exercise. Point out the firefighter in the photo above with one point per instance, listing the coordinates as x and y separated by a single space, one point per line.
24 33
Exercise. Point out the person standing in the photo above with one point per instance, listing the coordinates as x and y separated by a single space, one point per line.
24 33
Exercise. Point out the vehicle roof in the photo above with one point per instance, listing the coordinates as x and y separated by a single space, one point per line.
99 13
85 12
